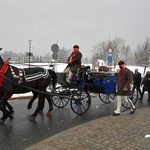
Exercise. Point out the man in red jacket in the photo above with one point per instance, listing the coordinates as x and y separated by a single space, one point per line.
74 62
123 87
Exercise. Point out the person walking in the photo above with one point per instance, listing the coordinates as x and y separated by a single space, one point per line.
146 86
123 87
74 62
136 81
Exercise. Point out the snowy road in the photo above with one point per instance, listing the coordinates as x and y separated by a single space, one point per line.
20 133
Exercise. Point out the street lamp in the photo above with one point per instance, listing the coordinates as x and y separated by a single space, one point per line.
30 41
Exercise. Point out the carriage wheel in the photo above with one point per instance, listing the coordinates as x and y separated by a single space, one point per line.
106 98
80 102
133 98
62 100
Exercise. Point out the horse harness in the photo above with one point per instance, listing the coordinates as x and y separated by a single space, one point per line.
3 70
29 74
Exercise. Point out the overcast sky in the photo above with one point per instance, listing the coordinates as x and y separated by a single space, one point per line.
69 22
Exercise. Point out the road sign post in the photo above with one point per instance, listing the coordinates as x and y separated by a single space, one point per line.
110 51
110 59
55 49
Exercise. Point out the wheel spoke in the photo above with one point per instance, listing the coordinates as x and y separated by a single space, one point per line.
106 98
61 101
80 102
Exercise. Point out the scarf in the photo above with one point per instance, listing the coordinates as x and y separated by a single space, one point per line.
74 52
121 73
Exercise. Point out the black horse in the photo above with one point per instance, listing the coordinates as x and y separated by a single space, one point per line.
29 106
16 80
36 94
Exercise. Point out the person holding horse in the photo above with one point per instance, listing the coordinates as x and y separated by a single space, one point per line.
74 62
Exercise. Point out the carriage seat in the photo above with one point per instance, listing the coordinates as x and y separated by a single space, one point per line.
83 69
80 74
98 75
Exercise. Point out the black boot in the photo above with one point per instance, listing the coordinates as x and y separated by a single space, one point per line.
148 100
140 99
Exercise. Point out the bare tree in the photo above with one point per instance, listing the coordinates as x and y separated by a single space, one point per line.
120 50
142 53
63 54
99 50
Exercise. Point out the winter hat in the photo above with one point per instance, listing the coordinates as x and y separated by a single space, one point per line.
75 46
121 62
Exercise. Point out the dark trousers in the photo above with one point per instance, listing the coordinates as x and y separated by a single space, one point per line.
143 91
137 86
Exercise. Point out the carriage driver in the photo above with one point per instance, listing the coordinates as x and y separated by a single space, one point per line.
74 62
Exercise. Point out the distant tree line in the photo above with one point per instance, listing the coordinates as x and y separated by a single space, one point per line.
23 57
63 54
121 51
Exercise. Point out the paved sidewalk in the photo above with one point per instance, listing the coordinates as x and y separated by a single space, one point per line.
124 132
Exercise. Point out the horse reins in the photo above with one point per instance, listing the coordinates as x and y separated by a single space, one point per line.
32 89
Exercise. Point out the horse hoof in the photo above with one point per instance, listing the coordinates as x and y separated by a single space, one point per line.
40 111
11 116
12 112
49 113
2 121
29 107
32 118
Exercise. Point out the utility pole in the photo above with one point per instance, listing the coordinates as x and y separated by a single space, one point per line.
30 41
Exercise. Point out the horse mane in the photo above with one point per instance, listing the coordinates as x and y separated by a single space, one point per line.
54 77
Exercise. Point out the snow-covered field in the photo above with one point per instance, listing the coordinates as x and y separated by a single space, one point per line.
59 67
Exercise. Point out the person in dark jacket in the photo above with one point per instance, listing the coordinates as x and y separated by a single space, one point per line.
137 81
123 87
146 86
74 62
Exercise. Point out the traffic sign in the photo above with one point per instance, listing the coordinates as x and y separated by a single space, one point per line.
109 58
54 55
55 48
110 50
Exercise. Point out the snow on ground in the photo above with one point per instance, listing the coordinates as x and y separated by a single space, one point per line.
141 69
59 67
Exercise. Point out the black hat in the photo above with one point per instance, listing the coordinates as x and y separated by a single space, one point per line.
121 62
75 46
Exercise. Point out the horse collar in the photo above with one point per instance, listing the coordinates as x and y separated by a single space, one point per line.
19 76
3 70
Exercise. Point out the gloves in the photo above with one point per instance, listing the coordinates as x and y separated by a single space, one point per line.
125 89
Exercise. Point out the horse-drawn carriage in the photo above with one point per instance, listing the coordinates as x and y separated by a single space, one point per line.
77 92
84 84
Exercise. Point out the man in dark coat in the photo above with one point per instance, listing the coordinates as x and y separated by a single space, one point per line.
137 81
123 87
74 62
146 86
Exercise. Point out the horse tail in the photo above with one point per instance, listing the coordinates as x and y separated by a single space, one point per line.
53 76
